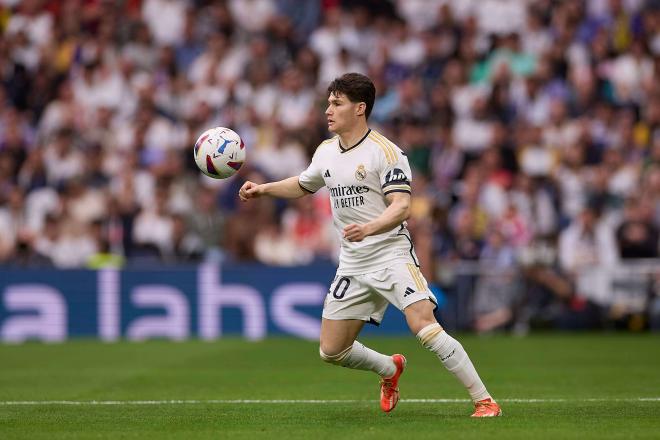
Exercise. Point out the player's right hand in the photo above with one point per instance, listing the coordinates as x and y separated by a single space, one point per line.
249 190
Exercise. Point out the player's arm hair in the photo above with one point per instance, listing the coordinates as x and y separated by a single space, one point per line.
397 211
286 189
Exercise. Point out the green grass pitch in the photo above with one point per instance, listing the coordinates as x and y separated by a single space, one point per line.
559 386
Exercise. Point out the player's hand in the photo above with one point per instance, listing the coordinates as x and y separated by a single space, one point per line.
249 190
355 232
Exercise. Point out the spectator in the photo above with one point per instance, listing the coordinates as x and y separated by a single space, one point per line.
166 20
252 15
273 246
207 224
12 217
534 202
64 159
496 289
154 225
586 249
308 229
637 236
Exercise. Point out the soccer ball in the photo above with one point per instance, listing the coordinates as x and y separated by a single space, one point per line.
219 152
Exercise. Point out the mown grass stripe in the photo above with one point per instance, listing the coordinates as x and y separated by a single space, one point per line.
304 401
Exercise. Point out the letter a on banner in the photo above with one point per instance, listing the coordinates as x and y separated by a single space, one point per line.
49 323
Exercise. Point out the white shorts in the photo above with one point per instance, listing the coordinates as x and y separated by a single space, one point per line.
366 297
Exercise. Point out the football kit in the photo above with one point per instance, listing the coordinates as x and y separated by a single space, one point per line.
382 268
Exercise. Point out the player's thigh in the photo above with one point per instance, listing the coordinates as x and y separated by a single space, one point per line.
402 284
338 334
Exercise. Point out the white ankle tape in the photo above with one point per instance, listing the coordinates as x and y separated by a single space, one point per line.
336 359
428 333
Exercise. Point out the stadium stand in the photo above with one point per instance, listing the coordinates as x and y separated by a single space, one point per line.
533 129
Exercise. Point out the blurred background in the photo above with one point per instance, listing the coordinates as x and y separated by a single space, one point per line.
532 127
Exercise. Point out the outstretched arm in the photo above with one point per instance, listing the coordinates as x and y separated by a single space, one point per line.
397 211
285 189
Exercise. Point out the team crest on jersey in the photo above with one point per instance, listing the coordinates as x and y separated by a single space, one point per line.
360 173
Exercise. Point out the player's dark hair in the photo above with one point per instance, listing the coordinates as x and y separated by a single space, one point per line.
357 88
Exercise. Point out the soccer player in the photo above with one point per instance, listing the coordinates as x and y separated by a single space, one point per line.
369 181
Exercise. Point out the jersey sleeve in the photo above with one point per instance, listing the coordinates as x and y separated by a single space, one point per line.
311 180
395 174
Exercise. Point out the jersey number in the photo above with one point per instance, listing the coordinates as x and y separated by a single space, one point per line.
336 293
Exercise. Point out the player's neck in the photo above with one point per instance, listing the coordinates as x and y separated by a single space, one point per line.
352 136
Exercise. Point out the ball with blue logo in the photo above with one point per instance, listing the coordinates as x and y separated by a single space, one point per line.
219 152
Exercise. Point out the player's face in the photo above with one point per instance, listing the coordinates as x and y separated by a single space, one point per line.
341 113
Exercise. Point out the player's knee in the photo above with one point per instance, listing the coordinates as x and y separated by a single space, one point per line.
419 315
419 326
332 356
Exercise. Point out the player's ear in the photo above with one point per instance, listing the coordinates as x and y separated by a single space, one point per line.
360 109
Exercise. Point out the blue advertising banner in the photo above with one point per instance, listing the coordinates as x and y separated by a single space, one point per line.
207 302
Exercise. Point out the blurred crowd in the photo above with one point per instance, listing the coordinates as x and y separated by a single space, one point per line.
532 127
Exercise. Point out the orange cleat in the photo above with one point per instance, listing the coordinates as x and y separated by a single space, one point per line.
487 408
389 387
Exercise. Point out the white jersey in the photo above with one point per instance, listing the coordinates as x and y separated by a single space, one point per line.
359 178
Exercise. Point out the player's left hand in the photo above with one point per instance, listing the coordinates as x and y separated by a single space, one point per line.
355 232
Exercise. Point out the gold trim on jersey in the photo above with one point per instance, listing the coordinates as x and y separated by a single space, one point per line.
416 274
390 154
387 142
390 188
327 141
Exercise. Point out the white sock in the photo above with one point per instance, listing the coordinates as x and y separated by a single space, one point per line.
360 357
454 358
